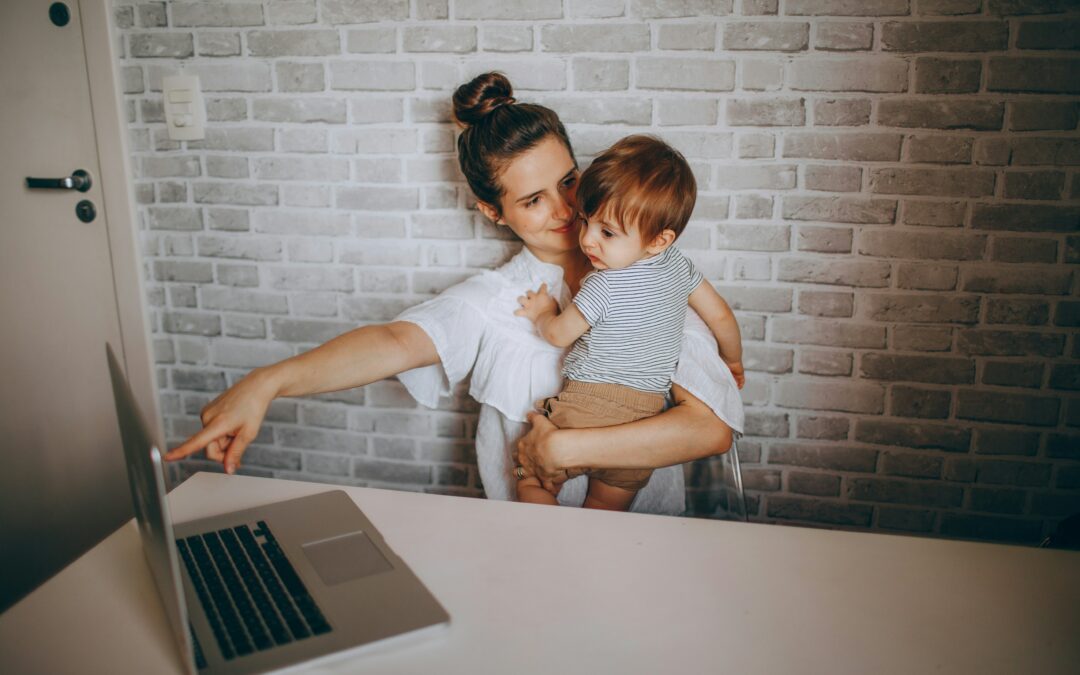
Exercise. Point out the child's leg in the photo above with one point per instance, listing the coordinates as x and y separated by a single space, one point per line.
531 491
608 497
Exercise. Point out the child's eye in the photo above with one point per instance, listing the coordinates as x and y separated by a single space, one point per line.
608 234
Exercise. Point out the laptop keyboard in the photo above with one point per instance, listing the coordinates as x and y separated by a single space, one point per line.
251 594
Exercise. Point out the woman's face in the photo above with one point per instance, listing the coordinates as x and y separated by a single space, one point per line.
538 200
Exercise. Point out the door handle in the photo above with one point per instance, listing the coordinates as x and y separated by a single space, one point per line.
78 180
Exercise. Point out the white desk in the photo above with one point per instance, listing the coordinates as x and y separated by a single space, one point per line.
544 589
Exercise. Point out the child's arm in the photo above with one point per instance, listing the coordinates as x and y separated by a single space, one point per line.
721 321
558 329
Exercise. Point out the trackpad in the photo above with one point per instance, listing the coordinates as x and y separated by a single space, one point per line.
344 558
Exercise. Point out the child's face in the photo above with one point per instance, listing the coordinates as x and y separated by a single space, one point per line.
611 245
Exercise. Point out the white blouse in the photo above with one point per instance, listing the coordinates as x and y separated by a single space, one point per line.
474 328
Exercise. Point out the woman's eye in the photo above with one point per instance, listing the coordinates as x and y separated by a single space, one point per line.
570 181
532 202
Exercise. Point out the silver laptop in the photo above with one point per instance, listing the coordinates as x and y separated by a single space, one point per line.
273 586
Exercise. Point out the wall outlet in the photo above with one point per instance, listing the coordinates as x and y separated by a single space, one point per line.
185 112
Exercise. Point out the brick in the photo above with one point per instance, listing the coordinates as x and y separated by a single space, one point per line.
237 275
1065 376
345 11
191 323
947 76
305 278
1063 446
1013 373
305 42
919 245
1023 250
753 207
649 9
977 115
239 247
1034 184
159 167
997 528
704 145
685 74
831 395
1008 408
433 39
922 338
817 484
781 36
824 239
1004 472
822 428
1006 442
754 237
1053 150
759 7
824 512
1034 280
216 15
844 146
944 36
905 520
1025 217
236 140
826 303
1017 311
823 456
904 492
1010 343
937 182
1067 314
378 40
762 74
161 45
372 75
507 38
231 220
238 300
603 75
917 402
840 209
227 167
843 273
1042 75
926 277
841 112
1072 249
844 36
831 178
480 9
755 177
872 74
911 465
825 363
993 151
183 271
922 308
998 501
687 36
1042 115
763 112
198 380
847 7
934 213
767 424
939 149
377 199
933 369
757 146
594 110
595 38
322 169
238 194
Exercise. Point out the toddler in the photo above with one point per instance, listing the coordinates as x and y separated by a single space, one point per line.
626 320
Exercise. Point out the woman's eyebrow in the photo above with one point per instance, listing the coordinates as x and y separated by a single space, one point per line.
533 194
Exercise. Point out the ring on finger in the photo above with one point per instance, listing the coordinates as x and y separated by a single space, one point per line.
519 472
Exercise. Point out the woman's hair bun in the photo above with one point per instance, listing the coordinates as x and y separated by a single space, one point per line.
475 100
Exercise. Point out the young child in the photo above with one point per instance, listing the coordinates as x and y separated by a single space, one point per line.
626 321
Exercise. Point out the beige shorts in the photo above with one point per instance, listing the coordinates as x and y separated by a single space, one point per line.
583 405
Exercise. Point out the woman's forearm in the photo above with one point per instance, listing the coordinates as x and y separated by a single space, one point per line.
356 358
686 432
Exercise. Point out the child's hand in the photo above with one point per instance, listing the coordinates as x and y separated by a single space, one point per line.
736 368
536 304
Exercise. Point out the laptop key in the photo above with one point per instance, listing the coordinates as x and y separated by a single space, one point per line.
221 597
207 603
300 595
236 590
255 589
281 599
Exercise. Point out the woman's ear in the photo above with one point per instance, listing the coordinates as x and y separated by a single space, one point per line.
661 242
490 212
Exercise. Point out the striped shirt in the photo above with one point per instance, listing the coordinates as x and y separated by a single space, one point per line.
636 317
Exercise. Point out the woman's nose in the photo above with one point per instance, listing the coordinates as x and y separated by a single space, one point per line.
564 207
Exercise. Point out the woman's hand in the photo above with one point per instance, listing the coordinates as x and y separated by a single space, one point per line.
536 453
536 304
230 422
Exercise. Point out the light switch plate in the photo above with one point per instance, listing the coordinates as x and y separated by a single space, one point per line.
185 112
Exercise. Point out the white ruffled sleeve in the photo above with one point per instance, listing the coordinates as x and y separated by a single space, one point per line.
455 321
706 376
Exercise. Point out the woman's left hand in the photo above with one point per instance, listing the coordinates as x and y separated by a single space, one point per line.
536 453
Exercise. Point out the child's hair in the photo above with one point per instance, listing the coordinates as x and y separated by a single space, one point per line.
641 180
495 129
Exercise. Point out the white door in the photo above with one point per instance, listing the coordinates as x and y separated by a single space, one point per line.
62 480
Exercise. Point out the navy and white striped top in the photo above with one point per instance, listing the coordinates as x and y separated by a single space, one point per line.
636 316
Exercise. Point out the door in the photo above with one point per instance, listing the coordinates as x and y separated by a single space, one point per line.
62 481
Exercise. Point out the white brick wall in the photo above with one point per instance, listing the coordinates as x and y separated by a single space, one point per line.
888 197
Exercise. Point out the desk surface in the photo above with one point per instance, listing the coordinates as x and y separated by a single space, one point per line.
544 589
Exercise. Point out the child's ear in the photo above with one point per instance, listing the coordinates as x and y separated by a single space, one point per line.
661 242
489 211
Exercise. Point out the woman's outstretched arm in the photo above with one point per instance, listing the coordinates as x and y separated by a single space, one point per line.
686 432
364 355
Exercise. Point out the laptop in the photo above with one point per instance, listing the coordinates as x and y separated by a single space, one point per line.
273 586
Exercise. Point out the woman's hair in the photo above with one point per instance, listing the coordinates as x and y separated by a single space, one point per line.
640 180
495 129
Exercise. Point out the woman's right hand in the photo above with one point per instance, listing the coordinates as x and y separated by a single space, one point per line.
230 422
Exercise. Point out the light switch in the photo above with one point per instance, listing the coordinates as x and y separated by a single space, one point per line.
185 112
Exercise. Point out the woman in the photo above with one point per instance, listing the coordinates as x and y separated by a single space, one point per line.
519 163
